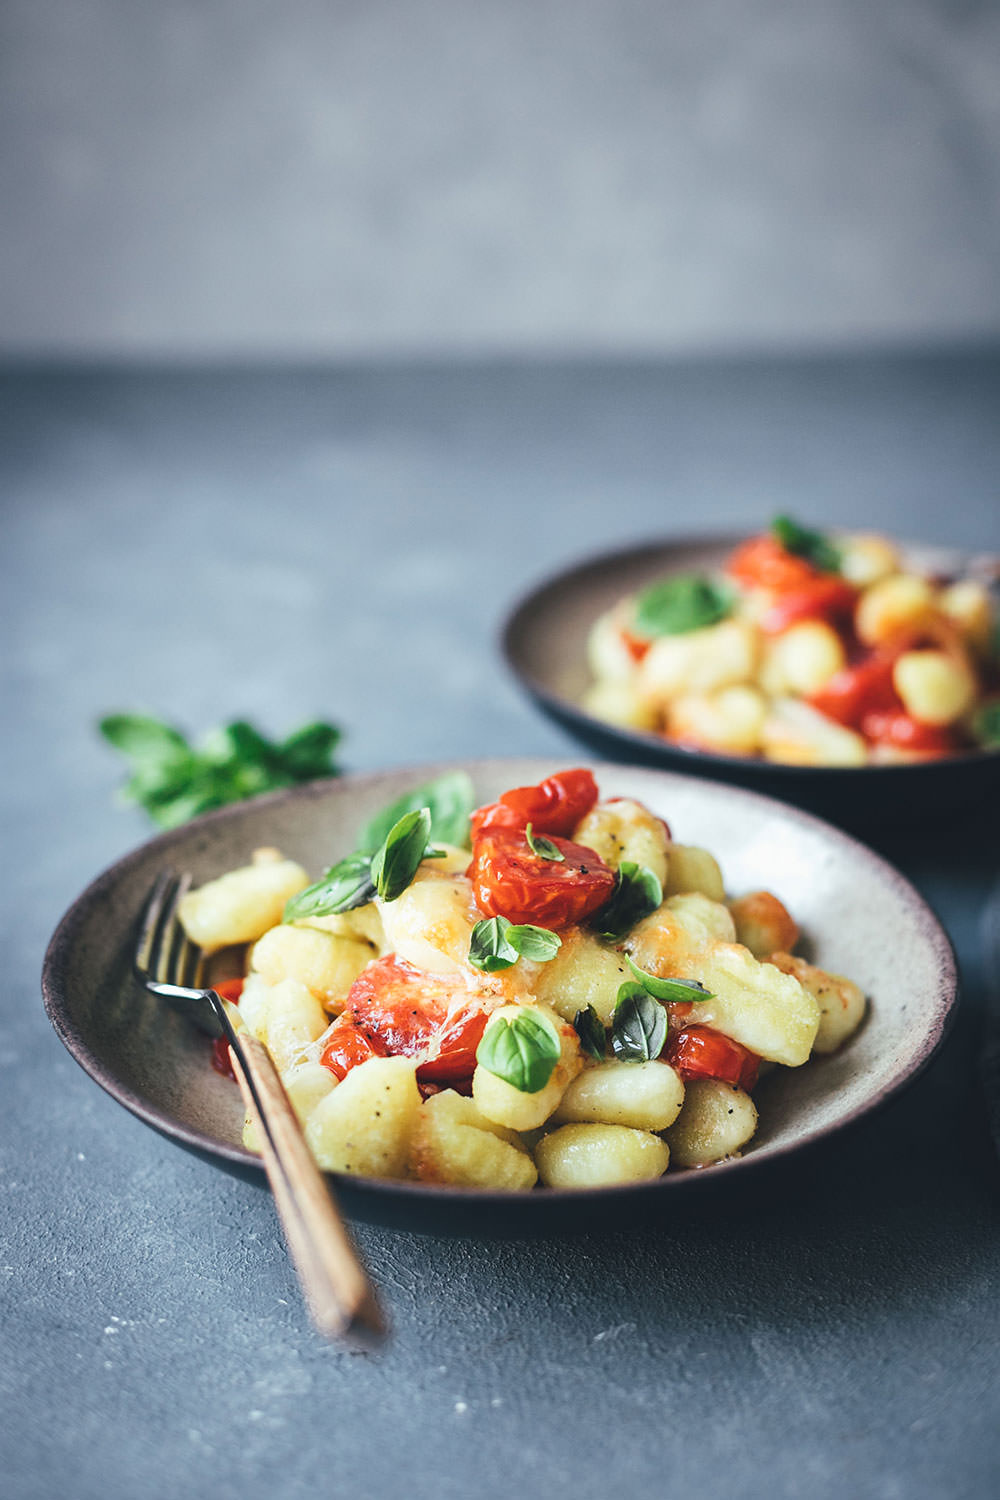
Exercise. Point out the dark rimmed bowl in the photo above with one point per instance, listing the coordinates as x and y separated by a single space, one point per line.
544 643
859 916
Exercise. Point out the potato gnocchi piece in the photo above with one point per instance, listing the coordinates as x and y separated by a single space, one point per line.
454 1143
763 923
306 1083
642 1095
756 1004
607 649
582 1156
505 1105
620 703
902 601
366 1124
867 557
430 924
584 972
802 658
253 1005
700 661
693 869
968 605
799 735
703 919
327 965
241 905
841 1002
293 1019
936 687
716 1122
626 830
728 721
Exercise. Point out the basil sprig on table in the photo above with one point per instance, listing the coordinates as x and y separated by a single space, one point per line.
172 780
543 847
637 892
590 1029
448 798
673 606
638 1026
522 1050
678 991
498 944
813 546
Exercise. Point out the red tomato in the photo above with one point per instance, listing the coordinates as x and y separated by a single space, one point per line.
348 1045
906 733
703 1052
510 880
635 645
230 989
825 598
397 1010
763 563
855 691
556 805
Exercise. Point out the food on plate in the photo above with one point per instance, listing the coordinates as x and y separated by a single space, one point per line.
544 990
812 649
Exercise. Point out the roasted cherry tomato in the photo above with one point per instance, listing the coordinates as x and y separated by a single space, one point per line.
763 563
347 1046
907 733
396 1010
825 598
635 645
854 692
510 880
703 1052
556 805
231 990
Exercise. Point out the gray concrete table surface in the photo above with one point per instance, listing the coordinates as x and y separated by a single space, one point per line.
343 543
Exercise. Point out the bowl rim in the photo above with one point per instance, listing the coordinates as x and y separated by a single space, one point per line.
513 624
58 956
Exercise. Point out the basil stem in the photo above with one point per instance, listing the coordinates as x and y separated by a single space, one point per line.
497 944
397 861
590 1029
639 1025
637 892
343 887
814 546
449 798
543 847
522 1050
676 990
688 601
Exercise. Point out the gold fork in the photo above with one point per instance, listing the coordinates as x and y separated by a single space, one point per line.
340 1296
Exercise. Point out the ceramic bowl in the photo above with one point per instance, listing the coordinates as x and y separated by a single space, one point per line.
859 916
544 642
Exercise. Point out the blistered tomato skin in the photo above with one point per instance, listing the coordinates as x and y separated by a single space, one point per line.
906 733
855 692
554 806
763 563
231 990
703 1052
348 1046
826 598
510 880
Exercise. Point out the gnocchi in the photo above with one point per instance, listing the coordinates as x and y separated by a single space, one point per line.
809 649
422 1032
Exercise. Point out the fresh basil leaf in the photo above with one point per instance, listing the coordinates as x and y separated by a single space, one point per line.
676 990
345 885
143 738
637 892
688 601
397 861
590 1029
543 847
497 944
986 726
638 1026
814 546
490 948
539 944
522 1050
449 798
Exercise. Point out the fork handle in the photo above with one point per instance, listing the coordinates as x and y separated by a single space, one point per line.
340 1296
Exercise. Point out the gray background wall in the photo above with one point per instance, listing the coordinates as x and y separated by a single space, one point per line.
323 178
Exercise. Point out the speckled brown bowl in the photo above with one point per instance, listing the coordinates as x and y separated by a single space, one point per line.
858 914
544 642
